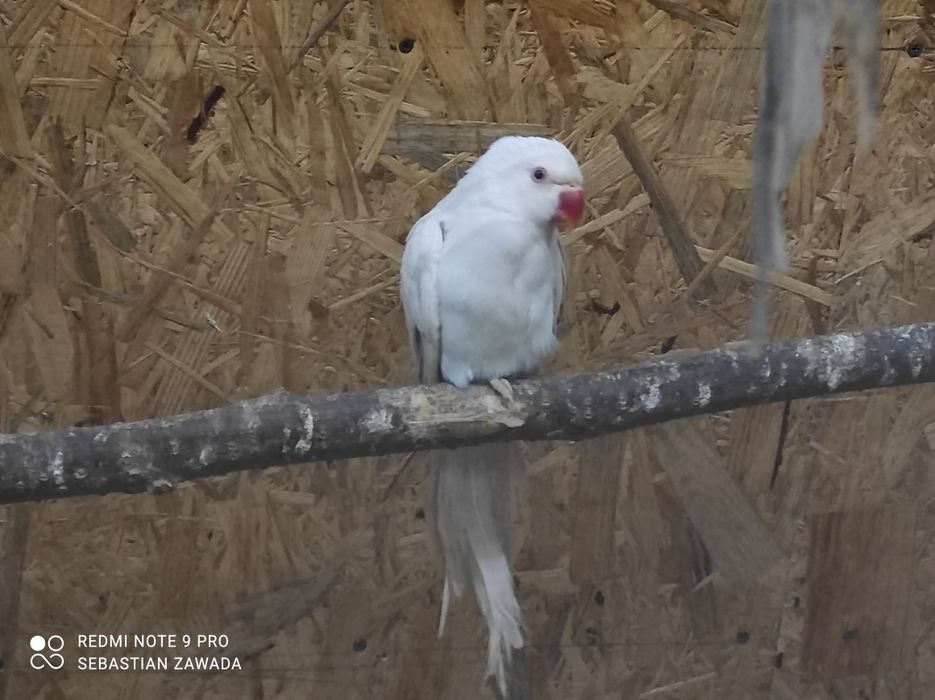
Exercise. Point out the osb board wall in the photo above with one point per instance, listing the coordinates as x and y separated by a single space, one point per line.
143 272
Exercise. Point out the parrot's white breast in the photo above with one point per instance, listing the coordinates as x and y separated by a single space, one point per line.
496 292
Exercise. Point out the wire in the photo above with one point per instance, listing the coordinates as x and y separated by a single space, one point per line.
249 45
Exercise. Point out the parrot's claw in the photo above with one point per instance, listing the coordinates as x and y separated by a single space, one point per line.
502 387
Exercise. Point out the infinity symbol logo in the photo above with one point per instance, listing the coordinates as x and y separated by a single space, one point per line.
54 644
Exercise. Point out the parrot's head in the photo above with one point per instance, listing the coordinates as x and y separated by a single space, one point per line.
533 176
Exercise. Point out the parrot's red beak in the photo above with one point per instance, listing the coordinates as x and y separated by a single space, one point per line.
570 207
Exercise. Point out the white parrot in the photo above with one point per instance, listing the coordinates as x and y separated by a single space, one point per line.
482 282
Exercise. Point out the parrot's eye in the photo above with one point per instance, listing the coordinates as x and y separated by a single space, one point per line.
538 174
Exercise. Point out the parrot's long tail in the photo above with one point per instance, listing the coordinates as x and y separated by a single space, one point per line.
470 502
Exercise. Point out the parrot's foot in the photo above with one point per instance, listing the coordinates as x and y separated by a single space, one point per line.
502 387
512 414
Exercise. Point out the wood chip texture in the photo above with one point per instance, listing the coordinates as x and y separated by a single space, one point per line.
163 252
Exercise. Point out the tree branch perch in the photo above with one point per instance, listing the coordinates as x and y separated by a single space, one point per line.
280 429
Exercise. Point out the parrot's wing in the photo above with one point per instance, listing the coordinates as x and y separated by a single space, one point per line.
558 263
420 297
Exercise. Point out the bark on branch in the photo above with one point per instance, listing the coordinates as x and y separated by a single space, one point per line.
282 428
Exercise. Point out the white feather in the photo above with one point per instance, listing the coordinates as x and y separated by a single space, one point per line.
798 34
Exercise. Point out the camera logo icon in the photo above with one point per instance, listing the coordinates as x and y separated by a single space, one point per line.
53 644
